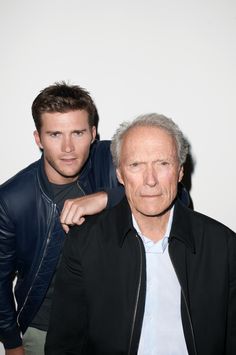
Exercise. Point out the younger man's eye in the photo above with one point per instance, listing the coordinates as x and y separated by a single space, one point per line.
54 134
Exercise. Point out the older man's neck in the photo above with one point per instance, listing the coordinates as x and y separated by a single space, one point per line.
152 227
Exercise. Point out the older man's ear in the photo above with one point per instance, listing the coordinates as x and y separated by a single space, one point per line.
119 176
181 173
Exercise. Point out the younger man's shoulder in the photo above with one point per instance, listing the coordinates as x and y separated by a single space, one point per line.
20 180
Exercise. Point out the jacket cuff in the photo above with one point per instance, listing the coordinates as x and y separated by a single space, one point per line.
12 340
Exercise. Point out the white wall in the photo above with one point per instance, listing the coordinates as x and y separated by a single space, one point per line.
175 57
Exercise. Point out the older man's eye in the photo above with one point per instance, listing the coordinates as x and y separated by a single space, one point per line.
134 165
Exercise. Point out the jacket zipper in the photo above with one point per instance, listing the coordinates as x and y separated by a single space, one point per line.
188 313
48 239
137 296
190 322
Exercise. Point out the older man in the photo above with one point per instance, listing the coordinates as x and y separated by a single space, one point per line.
149 276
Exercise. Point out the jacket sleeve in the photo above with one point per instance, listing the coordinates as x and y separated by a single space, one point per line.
231 323
9 330
114 196
68 319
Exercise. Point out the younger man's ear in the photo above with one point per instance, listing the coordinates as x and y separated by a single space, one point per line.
37 139
94 133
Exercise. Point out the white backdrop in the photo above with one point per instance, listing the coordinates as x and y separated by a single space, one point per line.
175 57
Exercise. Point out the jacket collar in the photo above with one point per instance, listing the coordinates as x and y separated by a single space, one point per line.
123 223
182 228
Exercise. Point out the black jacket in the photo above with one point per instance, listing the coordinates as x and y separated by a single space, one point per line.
99 296
31 237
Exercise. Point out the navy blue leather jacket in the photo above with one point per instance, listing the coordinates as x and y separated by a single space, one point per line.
31 237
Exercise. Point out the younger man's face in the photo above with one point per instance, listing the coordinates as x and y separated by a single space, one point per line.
65 139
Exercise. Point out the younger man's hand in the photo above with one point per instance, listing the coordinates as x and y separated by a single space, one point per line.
16 351
74 210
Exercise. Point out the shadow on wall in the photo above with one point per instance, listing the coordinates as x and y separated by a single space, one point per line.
188 172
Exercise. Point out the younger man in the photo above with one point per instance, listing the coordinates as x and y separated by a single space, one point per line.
73 164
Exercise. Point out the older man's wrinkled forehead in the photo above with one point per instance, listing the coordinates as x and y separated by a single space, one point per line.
148 141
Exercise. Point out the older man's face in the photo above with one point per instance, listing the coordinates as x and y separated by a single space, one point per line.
149 170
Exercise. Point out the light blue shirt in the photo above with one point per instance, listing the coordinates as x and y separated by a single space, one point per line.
162 331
